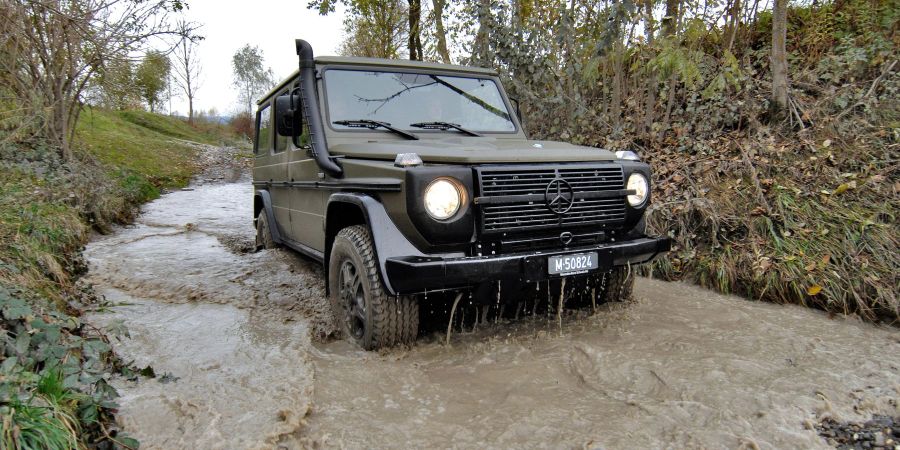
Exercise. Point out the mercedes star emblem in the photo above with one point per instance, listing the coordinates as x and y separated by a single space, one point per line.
559 196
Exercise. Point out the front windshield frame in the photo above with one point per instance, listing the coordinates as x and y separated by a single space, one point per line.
513 117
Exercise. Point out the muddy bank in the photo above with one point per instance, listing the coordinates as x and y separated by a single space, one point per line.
681 368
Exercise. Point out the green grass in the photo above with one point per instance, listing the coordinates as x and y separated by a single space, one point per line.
142 150
39 234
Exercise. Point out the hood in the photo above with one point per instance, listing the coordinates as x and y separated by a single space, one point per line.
474 150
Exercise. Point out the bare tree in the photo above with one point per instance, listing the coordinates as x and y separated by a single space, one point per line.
779 63
187 68
54 48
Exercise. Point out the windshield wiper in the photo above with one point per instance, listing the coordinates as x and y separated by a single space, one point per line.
373 124
444 126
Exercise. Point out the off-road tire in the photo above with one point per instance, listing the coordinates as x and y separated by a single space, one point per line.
618 285
264 238
387 321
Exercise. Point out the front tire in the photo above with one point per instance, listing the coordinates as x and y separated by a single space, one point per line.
362 309
618 285
264 238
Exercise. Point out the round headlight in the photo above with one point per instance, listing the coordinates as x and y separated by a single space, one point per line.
442 199
637 183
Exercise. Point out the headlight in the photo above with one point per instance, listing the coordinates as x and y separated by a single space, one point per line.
442 199
637 183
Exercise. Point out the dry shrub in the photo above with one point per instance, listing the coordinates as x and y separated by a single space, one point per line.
242 124
806 217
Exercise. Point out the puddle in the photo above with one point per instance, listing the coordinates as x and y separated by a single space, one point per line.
680 368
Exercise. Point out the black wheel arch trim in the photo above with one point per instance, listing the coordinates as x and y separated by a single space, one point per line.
270 215
389 241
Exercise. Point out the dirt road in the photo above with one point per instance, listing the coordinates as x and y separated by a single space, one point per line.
680 368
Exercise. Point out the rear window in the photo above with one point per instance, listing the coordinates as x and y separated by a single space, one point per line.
263 130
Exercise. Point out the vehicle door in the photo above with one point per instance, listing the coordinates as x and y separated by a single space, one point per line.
271 168
307 199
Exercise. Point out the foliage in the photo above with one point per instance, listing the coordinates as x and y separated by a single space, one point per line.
114 85
242 125
374 28
151 78
251 78
53 388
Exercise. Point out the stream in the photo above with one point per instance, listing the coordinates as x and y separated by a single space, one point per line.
242 339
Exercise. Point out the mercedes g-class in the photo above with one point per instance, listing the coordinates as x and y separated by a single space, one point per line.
405 178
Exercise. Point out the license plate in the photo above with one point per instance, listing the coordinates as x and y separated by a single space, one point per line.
572 264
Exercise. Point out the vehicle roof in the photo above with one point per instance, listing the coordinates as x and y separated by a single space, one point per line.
381 62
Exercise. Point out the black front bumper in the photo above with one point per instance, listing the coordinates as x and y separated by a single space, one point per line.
414 274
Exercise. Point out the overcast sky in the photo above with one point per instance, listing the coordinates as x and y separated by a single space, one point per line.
270 24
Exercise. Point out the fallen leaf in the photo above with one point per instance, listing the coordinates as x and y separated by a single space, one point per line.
841 189
814 289
810 268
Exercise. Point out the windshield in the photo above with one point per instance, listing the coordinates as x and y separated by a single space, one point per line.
402 99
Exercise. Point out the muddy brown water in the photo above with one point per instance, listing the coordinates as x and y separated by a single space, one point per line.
680 368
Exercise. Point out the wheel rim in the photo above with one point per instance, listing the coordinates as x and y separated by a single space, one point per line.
353 299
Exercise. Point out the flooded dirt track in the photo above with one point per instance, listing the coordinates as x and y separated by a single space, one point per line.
680 368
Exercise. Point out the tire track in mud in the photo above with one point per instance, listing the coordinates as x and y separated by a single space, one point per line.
682 367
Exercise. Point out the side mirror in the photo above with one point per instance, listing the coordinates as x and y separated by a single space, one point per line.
288 117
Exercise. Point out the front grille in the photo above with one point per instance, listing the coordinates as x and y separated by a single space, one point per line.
514 197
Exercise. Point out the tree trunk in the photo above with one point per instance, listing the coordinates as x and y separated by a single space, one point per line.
734 21
651 82
570 72
415 42
441 32
670 21
190 109
779 55
618 68
481 50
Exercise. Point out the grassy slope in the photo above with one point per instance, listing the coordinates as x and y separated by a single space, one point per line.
140 148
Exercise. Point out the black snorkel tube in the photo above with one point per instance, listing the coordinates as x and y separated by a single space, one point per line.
311 112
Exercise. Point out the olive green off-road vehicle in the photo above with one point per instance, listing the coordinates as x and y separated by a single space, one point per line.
408 179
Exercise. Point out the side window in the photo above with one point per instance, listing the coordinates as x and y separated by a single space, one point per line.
263 130
304 136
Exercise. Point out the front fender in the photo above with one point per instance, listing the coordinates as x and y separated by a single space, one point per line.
388 240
